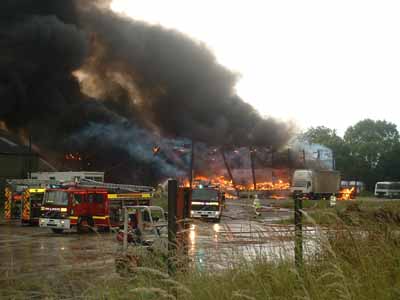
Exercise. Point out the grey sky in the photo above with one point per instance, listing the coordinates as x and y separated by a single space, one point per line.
328 63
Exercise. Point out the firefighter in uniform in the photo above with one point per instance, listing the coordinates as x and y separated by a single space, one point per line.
256 205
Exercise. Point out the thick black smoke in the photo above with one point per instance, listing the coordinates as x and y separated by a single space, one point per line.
78 77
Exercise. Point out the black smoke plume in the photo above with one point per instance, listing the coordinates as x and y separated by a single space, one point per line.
78 77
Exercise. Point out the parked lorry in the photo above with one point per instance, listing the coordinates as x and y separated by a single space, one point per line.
315 184
90 205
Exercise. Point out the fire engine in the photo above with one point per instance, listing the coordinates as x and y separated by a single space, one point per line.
207 202
23 199
90 204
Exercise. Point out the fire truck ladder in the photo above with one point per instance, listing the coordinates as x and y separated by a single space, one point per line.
115 186
32 182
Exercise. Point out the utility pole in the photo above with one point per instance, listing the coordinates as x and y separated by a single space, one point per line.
252 168
229 170
30 157
191 165
333 161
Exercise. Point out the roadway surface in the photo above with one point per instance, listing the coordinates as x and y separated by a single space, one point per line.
24 250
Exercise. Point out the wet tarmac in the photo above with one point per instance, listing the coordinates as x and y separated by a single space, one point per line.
25 250
242 237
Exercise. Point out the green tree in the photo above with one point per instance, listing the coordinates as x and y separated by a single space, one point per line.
389 165
322 135
369 142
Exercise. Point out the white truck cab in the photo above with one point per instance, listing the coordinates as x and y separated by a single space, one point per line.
302 182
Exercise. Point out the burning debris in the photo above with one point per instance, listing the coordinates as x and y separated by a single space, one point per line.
347 194
156 149
230 189
267 186
73 156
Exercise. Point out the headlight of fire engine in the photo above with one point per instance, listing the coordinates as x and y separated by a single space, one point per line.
63 209
191 212
217 213
62 221
42 208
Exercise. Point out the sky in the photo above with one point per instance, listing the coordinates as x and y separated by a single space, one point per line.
315 63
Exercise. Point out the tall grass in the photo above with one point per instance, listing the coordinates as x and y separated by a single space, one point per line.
357 257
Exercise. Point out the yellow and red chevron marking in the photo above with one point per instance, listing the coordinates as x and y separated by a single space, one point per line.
26 212
7 204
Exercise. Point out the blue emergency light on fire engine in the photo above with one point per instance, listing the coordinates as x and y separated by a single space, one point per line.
55 186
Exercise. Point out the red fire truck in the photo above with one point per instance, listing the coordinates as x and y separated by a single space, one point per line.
90 205
23 199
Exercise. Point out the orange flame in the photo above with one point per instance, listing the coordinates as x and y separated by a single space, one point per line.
72 156
225 184
156 149
267 186
346 194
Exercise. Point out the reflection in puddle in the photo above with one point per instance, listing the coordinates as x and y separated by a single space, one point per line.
218 246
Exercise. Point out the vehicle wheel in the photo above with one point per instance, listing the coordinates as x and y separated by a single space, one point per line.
57 230
104 229
84 225
217 220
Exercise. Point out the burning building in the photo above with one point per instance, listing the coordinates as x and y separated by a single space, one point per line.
98 89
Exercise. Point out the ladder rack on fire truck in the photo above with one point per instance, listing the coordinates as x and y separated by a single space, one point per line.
32 182
114 186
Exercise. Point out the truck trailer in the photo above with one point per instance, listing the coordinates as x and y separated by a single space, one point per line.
315 184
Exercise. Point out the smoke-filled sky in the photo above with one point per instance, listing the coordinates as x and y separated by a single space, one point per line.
80 78
328 63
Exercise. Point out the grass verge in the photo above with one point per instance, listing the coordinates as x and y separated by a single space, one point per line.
348 265
358 259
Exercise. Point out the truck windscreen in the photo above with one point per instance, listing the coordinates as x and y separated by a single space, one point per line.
56 198
200 207
36 197
300 183
205 195
388 186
